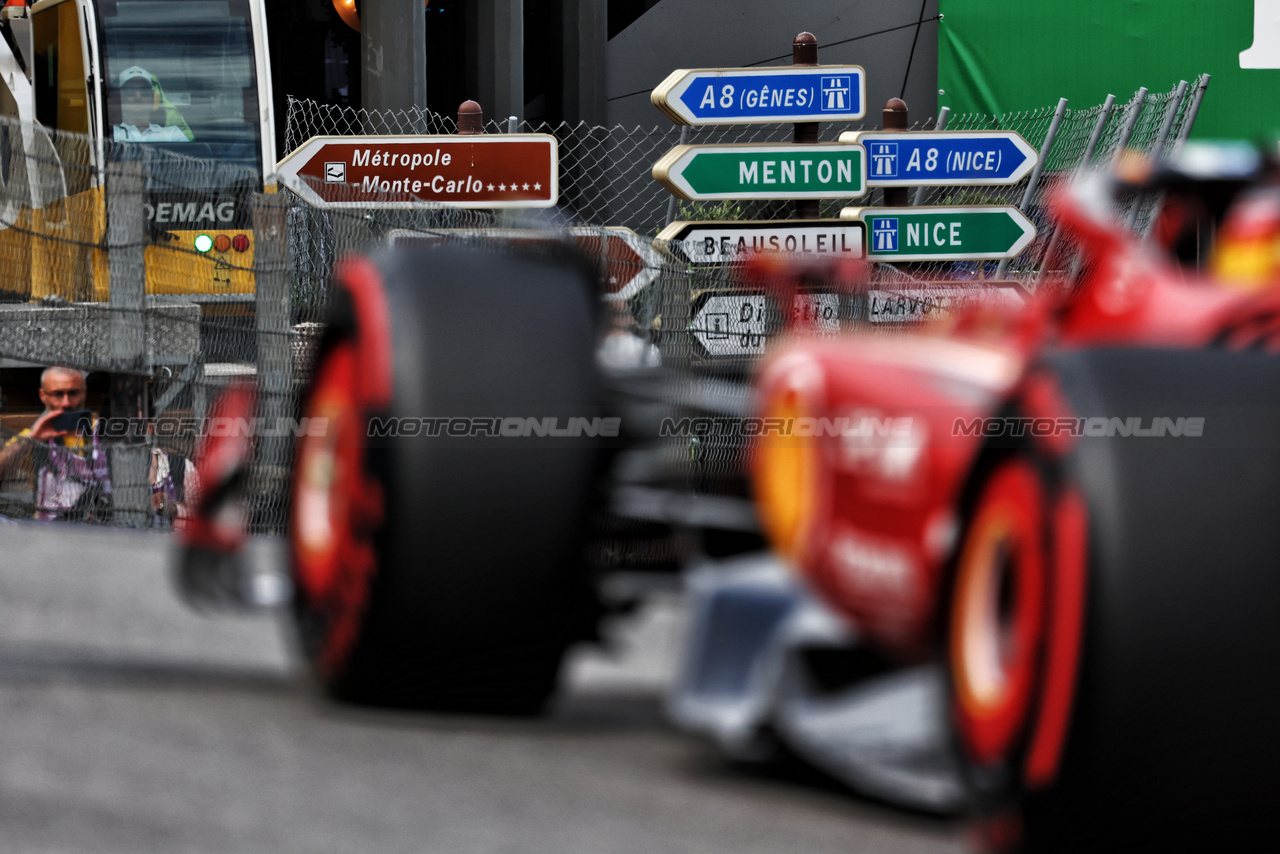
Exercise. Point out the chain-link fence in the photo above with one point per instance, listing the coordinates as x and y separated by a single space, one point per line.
606 172
168 277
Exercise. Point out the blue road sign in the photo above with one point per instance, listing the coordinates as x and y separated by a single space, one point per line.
717 96
884 234
944 158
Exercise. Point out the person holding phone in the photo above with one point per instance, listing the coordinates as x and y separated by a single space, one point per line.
71 475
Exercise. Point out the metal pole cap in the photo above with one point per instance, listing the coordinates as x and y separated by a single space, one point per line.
895 114
804 49
470 118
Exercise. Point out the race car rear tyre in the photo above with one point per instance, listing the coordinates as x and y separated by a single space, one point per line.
1170 737
436 534
996 620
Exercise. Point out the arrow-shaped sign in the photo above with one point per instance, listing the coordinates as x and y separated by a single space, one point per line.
629 262
763 171
707 244
907 305
720 96
518 170
739 324
944 233
945 158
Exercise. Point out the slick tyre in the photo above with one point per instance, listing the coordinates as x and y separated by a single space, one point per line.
1169 737
437 525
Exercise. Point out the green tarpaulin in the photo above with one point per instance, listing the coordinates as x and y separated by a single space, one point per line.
997 56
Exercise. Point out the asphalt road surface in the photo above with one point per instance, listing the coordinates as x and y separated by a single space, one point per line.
130 724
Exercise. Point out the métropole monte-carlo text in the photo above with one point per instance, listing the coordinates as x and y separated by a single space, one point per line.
429 180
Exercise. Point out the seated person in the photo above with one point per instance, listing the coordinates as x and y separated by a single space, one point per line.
146 114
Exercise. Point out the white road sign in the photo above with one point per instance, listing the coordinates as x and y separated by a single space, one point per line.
735 324
718 243
911 305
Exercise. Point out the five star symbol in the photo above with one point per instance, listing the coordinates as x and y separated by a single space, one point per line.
514 187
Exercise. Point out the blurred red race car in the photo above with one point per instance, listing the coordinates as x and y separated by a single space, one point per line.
1073 508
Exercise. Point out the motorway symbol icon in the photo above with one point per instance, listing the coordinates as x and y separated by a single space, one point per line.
944 158
884 234
883 157
837 93
718 96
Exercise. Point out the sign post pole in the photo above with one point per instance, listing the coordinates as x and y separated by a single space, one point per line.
804 52
470 118
895 118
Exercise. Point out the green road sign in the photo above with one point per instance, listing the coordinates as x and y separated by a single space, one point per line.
821 171
944 233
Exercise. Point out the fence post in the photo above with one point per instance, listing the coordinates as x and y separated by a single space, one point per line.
1130 122
512 124
1045 148
1171 113
1139 101
804 51
1202 83
275 354
894 117
126 263
1192 111
1089 150
126 259
1157 150
943 114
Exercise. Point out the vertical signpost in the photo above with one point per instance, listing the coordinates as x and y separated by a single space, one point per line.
804 53
804 172
807 171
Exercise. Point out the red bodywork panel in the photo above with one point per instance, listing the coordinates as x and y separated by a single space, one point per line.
887 512
888 483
